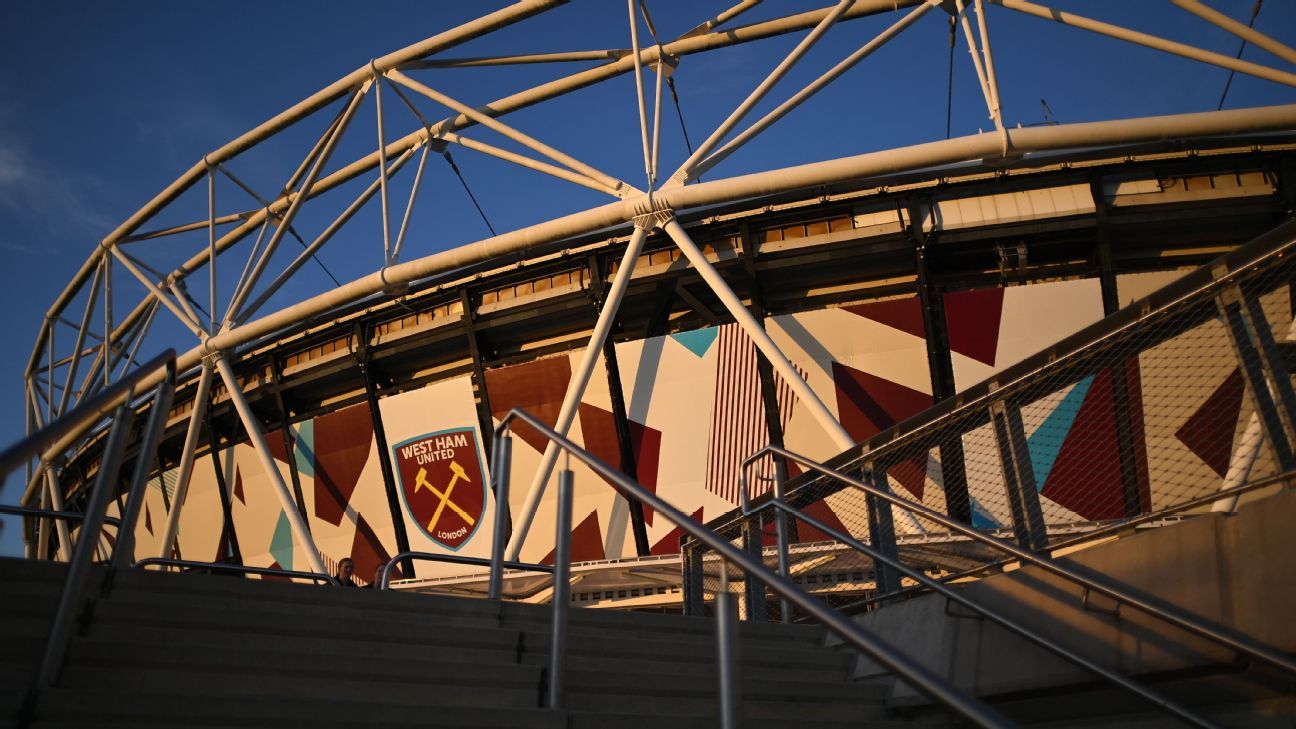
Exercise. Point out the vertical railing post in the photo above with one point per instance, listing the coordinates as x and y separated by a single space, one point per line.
694 583
503 450
1259 372
73 584
1019 478
781 536
561 590
753 588
727 652
882 533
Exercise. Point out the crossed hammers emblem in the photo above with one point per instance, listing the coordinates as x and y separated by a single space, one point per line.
421 482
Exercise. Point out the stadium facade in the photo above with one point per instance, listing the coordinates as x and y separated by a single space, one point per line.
876 285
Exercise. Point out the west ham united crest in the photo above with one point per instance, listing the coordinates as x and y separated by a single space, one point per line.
442 484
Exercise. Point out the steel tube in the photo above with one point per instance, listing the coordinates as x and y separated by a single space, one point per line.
639 92
996 112
761 89
55 492
69 604
610 54
492 123
124 549
561 591
999 619
324 237
576 387
838 623
812 88
298 198
1151 41
1187 621
91 300
977 146
409 206
1241 30
759 337
503 455
197 417
727 653
524 161
300 531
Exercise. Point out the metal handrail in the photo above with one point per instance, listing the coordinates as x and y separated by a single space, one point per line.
1179 618
72 595
82 417
1013 626
384 582
909 670
52 514
223 567
1285 480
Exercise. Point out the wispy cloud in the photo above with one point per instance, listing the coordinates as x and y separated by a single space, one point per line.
37 194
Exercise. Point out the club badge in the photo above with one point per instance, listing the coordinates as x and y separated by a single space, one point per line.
442 484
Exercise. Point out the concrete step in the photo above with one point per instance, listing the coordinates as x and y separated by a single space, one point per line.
669 707
99 708
767 687
369 641
750 720
486 668
241 686
824 666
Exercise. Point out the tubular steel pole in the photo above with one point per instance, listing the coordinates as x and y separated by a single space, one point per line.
65 615
1241 30
197 417
561 590
253 428
726 652
503 457
579 381
124 550
759 336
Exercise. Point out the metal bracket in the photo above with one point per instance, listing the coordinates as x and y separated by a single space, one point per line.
1088 607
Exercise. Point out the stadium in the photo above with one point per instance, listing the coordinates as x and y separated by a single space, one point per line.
1056 336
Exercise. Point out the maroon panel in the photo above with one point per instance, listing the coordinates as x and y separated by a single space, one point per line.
598 428
646 442
904 314
821 511
1208 433
586 542
868 404
1086 477
343 440
275 578
537 387
275 441
973 318
670 544
1134 385
367 551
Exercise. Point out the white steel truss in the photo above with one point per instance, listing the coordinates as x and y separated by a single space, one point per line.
57 377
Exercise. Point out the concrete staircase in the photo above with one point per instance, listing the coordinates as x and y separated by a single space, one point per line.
198 650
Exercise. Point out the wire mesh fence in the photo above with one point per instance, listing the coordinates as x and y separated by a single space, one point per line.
1178 396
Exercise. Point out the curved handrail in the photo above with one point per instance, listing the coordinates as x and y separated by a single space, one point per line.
222 567
909 670
1179 618
82 416
992 615
384 582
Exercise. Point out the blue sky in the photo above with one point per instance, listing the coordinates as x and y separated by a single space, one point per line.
103 104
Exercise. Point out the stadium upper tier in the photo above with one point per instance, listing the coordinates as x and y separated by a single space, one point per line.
1020 255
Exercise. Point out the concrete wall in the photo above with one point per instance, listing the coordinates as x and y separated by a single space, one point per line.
1238 570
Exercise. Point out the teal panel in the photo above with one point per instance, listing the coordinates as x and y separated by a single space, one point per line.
304 448
281 542
1045 443
697 341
